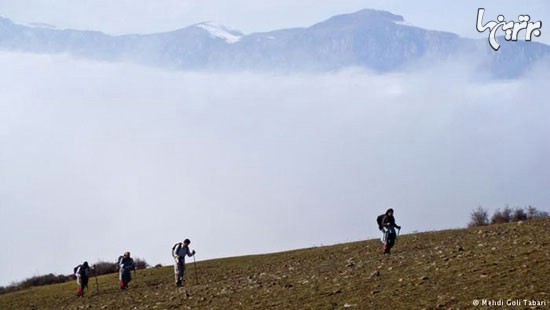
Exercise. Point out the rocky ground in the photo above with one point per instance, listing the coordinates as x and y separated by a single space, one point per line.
450 269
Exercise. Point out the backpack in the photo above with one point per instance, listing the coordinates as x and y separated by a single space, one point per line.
119 260
379 220
175 248
81 271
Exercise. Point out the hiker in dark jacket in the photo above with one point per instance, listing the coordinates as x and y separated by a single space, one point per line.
179 251
82 273
389 226
125 265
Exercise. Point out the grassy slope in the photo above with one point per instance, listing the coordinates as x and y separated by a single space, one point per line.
444 269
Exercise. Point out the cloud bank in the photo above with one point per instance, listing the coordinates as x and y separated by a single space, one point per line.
97 158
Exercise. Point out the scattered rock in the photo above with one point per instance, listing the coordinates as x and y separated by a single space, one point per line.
375 274
346 305
424 278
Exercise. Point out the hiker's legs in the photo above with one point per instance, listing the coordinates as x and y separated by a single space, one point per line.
179 269
122 286
389 244
390 240
84 280
124 277
385 237
79 291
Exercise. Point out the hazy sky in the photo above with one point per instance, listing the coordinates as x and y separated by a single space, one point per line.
97 158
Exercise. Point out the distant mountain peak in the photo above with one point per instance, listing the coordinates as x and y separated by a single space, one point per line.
5 20
377 15
363 17
220 31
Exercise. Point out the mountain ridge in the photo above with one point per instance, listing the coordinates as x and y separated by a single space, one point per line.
371 39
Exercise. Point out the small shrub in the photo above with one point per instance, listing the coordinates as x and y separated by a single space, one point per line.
140 263
533 213
500 217
519 215
479 217
103 267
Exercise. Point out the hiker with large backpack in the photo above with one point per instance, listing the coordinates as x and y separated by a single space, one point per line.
125 265
82 274
179 251
386 224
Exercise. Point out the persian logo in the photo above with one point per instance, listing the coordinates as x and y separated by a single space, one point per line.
511 28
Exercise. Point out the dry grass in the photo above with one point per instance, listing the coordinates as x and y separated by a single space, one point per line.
435 270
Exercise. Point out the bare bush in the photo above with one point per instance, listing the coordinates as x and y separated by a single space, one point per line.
519 215
478 217
103 267
533 213
500 217
140 263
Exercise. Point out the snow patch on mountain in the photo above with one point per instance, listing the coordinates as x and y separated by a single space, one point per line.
220 31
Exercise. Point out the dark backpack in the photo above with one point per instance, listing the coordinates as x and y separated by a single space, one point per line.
175 248
379 220
81 271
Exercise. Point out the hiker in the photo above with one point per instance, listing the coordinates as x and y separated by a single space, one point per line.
126 265
179 251
386 223
82 273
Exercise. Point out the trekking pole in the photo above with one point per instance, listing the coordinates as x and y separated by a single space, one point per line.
96 283
195 265
397 238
